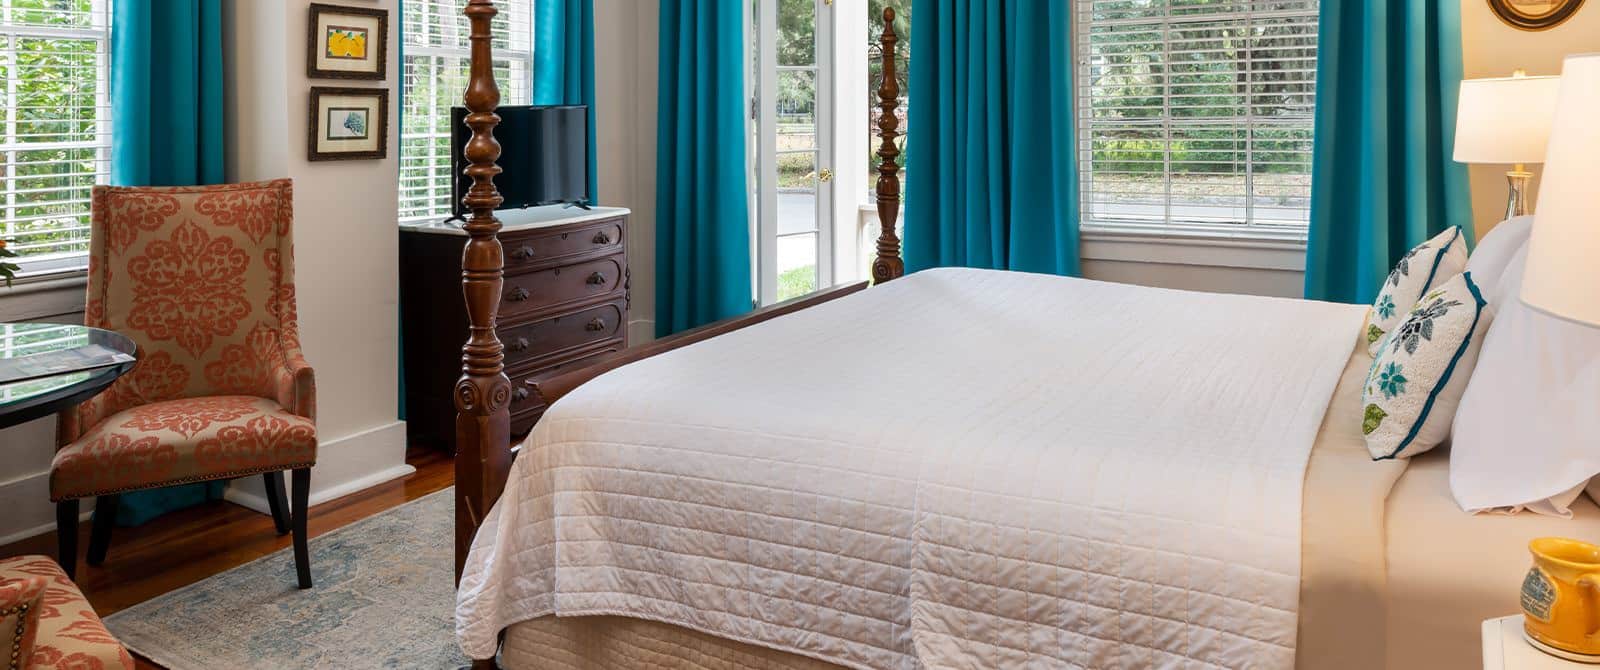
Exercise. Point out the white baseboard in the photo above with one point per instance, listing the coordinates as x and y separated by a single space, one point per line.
344 466
641 331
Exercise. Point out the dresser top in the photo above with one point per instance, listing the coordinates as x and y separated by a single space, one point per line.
530 218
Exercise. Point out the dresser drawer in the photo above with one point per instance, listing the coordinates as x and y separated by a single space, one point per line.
535 248
550 287
530 342
525 408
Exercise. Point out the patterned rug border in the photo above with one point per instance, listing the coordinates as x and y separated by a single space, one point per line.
134 645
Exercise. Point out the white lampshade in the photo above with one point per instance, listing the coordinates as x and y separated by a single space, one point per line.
1563 275
1505 120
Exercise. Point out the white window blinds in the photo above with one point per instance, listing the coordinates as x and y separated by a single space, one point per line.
436 59
55 140
1197 114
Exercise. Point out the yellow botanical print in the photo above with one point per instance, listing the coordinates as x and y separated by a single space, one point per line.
348 43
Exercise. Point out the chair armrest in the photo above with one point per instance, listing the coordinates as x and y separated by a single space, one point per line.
296 384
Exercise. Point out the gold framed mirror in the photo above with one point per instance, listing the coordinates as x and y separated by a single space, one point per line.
1534 14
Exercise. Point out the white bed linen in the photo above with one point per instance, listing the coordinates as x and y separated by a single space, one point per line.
959 468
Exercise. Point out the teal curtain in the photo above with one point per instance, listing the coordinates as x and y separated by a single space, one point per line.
994 181
702 217
563 62
1388 74
166 92
166 102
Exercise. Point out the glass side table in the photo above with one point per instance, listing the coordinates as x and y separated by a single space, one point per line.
27 400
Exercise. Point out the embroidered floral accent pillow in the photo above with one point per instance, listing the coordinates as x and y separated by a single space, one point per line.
1421 370
1417 272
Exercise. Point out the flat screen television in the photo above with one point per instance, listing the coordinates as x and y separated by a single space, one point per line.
544 155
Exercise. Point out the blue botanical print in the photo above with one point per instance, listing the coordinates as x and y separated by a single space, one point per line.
356 124
1403 268
1385 306
1419 326
1391 382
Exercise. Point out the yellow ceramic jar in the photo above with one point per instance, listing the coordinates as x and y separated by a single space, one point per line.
1561 595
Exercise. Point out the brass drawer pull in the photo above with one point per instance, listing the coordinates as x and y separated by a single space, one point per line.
597 279
519 395
596 325
517 294
520 345
602 238
522 254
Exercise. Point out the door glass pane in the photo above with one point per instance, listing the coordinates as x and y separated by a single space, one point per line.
797 109
797 32
797 193
797 265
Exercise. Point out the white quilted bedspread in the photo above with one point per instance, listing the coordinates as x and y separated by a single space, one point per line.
957 469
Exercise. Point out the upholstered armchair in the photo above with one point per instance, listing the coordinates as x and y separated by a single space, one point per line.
45 622
202 278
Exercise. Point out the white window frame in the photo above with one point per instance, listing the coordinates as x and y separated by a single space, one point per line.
55 265
1095 226
437 186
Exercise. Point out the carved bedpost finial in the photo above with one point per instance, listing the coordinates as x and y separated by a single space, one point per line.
888 263
483 394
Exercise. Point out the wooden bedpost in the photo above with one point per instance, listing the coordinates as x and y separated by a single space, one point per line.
888 264
483 421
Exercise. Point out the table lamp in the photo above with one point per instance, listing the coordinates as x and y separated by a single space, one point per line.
1563 274
1506 121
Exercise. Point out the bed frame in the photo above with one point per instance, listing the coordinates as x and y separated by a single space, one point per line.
483 394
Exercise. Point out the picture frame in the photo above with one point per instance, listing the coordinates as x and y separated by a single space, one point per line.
1534 15
347 42
348 123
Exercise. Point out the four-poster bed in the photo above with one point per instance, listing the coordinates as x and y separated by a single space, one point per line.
958 468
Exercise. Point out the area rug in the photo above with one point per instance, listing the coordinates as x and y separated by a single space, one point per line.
384 598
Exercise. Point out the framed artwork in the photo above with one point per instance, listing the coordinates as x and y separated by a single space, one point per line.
1534 14
347 42
348 123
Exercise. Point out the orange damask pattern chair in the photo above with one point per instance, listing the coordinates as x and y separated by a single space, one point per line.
51 626
202 278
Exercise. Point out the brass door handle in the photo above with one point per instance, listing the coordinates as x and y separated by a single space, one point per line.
825 175
597 279
595 325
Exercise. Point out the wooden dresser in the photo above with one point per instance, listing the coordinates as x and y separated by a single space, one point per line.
564 305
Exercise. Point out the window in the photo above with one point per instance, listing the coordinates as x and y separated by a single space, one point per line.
1197 114
436 59
56 143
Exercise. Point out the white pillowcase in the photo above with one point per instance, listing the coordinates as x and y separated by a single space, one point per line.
1421 369
1494 253
1421 269
1528 428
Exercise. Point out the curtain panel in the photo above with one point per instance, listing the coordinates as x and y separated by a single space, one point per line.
563 63
1383 181
994 180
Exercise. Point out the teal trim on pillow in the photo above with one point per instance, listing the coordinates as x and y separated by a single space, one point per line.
1439 258
1449 370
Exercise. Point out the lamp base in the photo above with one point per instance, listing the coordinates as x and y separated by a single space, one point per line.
1517 201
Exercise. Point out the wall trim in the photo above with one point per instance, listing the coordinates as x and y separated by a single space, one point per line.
344 466
44 298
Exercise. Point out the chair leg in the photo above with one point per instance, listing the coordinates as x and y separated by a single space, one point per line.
67 536
302 555
275 500
105 517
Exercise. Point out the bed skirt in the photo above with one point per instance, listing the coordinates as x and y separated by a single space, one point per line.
621 643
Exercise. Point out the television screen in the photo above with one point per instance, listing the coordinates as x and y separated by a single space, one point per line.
544 158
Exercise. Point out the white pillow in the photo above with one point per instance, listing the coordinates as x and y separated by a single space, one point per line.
1421 269
1494 252
1527 430
1421 369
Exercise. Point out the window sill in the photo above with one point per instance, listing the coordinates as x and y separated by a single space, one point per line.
1279 250
44 296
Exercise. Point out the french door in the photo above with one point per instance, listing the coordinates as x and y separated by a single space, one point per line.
792 84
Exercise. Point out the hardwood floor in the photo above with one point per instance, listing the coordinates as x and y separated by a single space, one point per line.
189 545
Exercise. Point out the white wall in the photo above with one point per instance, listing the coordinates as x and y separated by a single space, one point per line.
625 122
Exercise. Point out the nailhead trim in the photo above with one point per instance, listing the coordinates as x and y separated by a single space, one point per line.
232 474
22 628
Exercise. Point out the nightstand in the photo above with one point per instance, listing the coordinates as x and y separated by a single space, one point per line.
1504 649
